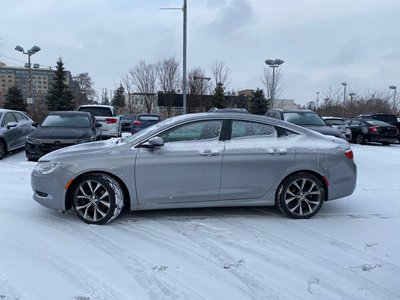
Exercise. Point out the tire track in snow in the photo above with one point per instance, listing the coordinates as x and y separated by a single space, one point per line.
158 286
8 290
65 268
338 269
191 252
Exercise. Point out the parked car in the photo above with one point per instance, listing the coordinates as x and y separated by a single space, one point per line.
198 160
305 118
61 129
339 124
384 117
127 122
367 130
143 121
14 128
107 116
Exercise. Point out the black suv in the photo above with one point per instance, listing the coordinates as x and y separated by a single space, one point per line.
384 117
305 118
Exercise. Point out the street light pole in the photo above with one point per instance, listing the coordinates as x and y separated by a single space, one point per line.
317 99
394 88
351 97
273 63
344 92
184 81
30 52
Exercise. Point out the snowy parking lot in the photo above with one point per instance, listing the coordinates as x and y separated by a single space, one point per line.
349 250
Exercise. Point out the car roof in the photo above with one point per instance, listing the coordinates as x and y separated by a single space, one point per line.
71 112
97 105
8 110
225 110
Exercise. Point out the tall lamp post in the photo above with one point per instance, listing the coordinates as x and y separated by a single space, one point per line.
351 97
184 83
273 63
394 88
30 52
201 86
344 92
317 99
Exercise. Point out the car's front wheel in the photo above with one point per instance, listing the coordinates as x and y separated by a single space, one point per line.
97 198
300 196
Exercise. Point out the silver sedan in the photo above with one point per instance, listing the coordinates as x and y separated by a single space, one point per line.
198 160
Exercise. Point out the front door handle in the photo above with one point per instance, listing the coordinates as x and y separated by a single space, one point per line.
276 151
208 152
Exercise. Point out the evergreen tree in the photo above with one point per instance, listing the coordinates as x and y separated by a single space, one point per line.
59 97
14 99
258 104
118 100
219 96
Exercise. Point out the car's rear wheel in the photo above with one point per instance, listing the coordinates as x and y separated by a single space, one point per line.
97 198
385 143
3 149
360 139
300 196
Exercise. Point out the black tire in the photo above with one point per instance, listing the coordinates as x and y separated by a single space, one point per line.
360 139
3 149
97 199
300 196
385 143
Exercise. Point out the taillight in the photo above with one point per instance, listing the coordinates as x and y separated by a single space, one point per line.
137 123
111 120
349 154
373 129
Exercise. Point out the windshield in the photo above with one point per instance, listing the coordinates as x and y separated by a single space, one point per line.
303 118
335 122
98 111
66 121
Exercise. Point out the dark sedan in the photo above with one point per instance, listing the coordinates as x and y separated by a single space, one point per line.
61 129
143 121
127 122
364 131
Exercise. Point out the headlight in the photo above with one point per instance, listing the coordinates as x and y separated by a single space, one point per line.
46 167
32 140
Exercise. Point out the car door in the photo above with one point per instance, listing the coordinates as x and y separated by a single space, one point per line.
186 169
255 157
11 134
24 125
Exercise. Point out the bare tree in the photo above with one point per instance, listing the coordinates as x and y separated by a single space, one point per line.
221 74
83 91
144 80
169 80
127 83
272 83
199 85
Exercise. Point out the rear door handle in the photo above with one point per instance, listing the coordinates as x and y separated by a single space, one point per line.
208 152
276 151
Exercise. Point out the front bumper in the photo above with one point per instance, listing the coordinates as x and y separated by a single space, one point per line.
49 189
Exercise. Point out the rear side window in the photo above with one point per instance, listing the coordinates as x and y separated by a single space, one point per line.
8 117
244 129
98 111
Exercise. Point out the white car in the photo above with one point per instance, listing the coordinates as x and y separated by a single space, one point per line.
339 124
107 116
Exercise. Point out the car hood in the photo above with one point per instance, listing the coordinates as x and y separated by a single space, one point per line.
324 130
59 133
89 150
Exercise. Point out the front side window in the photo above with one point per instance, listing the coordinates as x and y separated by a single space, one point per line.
245 129
196 131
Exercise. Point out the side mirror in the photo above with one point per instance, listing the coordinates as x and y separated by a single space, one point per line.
97 125
11 125
154 142
35 124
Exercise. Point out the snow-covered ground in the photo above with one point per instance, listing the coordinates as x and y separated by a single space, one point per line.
350 250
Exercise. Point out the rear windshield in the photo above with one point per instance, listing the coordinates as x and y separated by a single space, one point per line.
336 122
66 121
149 118
98 111
303 118
377 123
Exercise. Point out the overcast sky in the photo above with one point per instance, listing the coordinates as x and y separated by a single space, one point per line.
323 42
